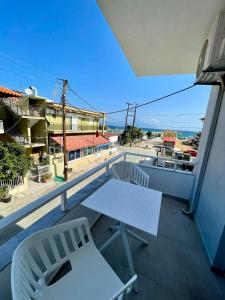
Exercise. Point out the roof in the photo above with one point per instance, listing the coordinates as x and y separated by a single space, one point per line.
109 134
169 139
9 92
74 142
161 37
77 110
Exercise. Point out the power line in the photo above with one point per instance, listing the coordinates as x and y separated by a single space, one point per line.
82 99
155 100
176 115
85 101
5 131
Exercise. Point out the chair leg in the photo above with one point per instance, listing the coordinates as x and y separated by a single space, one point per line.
128 254
137 237
107 243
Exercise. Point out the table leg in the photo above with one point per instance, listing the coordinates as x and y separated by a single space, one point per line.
137 237
128 254
110 240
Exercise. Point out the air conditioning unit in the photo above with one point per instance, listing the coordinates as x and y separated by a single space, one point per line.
211 64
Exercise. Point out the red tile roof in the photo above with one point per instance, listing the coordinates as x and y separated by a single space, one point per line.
9 92
74 142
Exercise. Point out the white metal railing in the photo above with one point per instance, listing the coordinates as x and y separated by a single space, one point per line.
161 162
60 191
11 182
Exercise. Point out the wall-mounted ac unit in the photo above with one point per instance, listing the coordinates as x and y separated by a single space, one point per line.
211 64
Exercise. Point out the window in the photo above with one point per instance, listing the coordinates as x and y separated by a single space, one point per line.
74 154
90 150
103 147
85 152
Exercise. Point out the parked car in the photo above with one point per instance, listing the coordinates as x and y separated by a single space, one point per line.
192 152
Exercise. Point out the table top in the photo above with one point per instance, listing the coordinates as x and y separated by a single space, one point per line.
128 203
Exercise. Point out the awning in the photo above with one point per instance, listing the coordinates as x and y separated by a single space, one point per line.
169 139
74 142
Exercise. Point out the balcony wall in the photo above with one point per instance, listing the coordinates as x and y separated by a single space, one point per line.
211 206
170 182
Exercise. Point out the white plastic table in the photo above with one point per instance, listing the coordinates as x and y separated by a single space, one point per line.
130 204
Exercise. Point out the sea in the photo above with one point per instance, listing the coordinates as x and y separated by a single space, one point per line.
180 133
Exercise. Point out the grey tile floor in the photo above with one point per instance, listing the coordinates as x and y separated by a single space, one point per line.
173 266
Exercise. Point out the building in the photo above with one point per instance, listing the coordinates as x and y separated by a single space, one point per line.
113 137
169 142
36 123
23 117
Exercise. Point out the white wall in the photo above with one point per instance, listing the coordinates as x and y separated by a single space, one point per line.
210 214
113 139
205 133
178 184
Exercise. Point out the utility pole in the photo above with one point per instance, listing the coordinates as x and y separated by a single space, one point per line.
132 130
128 107
63 102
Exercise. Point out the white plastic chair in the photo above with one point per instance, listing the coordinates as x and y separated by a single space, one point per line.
130 172
62 262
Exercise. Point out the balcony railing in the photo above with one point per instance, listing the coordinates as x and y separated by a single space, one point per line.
185 181
28 140
72 128
175 165
23 110
62 190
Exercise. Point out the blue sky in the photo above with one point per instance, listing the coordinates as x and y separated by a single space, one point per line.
45 40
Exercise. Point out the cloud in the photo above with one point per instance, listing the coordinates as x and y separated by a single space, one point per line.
148 122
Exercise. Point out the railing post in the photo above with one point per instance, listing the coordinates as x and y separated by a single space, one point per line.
175 166
107 168
125 156
64 201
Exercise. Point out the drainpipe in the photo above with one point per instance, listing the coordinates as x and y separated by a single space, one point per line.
211 134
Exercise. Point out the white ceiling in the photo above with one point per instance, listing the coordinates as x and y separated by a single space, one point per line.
161 36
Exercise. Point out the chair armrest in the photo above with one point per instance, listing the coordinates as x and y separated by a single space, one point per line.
125 289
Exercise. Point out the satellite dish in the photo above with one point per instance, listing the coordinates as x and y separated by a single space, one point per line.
28 92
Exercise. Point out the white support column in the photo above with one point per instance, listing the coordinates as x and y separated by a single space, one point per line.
64 201
107 168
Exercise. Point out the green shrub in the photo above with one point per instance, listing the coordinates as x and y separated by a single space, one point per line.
14 161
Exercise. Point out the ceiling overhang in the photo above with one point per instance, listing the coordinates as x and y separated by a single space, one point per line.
158 36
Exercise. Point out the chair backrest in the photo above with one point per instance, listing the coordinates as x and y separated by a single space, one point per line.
128 171
38 258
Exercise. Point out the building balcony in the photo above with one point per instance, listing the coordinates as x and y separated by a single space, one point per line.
173 266
25 111
58 128
28 141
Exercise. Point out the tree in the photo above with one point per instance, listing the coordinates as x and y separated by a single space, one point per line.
13 161
126 136
169 133
149 134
